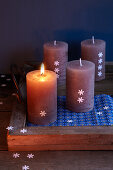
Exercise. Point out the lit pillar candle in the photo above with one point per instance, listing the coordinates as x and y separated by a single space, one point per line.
55 59
41 96
80 85
94 50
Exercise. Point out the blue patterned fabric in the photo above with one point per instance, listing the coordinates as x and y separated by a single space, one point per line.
101 115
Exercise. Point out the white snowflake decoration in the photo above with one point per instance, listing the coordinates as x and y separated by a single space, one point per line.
69 121
100 67
80 92
57 76
105 107
16 155
43 113
80 100
2 76
30 155
23 130
56 70
56 63
99 73
14 94
10 128
8 79
25 167
99 113
1 103
100 61
100 54
3 85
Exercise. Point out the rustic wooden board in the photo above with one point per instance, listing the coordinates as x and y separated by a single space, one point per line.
4 122
62 138
58 160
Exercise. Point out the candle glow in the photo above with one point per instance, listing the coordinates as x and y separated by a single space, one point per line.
41 96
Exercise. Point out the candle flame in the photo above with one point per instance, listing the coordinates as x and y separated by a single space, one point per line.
42 69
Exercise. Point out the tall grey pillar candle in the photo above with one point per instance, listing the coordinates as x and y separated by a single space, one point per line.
80 85
94 50
55 59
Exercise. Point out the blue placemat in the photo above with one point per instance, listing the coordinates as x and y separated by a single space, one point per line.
102 114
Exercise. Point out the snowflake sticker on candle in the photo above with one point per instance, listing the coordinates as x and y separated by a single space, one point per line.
57 76
56 63
43 113
80 100
56 70
100 61
80 92
100 67
100 54
99 73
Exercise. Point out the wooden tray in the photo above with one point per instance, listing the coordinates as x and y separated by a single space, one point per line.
62 138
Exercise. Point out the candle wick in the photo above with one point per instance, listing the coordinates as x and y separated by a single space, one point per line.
80 62
55 42
93 39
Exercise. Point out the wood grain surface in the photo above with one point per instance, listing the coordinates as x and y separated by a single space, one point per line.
48 160
62 138
58 160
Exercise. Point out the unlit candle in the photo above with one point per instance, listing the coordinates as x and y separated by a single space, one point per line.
55 59
80 86
95 52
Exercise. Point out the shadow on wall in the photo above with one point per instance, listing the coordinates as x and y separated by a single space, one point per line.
20 56
34 51
72 37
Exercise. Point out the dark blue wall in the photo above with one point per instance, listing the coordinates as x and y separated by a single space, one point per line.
26 24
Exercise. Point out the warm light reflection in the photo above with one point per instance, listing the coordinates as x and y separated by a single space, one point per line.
42 69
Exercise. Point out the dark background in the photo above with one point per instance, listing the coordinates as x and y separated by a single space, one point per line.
26 24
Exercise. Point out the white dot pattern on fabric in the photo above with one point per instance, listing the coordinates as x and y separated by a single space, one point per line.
3 85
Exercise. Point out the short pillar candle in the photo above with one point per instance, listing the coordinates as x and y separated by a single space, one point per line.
55 59
41 96
94 50
80 77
